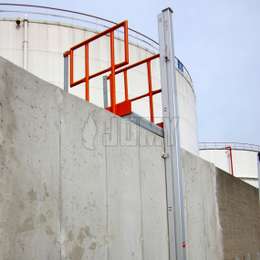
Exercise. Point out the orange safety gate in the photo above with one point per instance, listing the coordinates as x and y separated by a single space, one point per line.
110 69
124 107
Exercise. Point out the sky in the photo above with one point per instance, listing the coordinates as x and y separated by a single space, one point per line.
218 41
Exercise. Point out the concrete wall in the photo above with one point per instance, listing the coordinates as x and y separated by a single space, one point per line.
65 194
223 213
239 217
78 183
204 234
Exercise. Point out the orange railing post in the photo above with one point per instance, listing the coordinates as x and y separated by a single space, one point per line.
150 89
112 75
71 66
126 47
126 85
87 72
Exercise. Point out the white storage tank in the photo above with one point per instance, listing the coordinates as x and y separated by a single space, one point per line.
243 158
35 38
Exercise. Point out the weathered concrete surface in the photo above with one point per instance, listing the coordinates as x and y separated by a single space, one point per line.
239 217
223 213
204 232
29 175
77 183
68 189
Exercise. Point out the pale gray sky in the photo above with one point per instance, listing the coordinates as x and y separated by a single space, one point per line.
218 41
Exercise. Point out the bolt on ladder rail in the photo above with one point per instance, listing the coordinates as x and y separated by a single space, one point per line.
173 160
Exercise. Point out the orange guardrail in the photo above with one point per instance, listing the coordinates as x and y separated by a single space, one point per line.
113 66
125 107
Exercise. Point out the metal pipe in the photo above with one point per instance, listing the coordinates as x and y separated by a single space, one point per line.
172 155
71 53
25 43
66 74
112 75
105 94
258 167
150 89
87 72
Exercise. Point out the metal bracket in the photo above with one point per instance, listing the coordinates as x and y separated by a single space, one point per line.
165 155
144 123
258 164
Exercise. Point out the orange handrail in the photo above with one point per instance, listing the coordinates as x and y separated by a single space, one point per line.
114 69
150 92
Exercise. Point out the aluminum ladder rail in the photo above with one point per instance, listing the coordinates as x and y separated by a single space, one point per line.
172 156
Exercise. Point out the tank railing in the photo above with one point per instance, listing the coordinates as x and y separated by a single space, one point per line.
96 20
111 69
135 37
234 145
141 39
126 105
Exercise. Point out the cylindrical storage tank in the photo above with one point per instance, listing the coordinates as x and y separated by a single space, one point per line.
37 40
242 157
